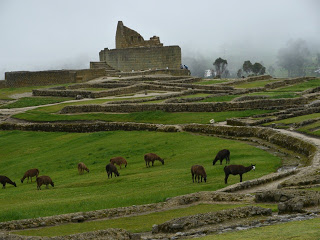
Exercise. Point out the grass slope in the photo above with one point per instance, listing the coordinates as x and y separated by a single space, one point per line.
299 230
47 114
57 155
142 223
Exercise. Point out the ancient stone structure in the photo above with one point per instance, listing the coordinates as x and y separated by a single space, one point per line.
134 53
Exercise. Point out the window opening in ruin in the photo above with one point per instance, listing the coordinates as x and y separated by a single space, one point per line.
131 38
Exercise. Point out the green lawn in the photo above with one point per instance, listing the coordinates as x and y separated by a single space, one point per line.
46 114
5 93
258 83
276 95
195 95
57 155
300 230
225 98
212 81
136 224
35 101
313 129
297 119
300 86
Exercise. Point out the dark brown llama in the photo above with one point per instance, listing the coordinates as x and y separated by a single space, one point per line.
223 154
4 180
198 171
151 157
235 170
34 172
110 168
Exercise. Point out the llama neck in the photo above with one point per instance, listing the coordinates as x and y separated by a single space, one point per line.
247 169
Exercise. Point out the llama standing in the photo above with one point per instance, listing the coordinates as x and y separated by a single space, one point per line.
235 170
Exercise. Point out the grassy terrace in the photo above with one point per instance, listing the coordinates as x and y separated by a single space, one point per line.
47 114
258 83
313 129
275 95
299 230
57 154
35 101
313 83
133 224
211 81
5 93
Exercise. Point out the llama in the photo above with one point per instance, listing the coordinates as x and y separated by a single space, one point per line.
34 172
235 170
110 168
223 154
4 180
151 157
119 161
198 171
82 167
44 180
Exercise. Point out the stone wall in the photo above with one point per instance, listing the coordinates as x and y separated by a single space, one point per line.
108 234
189 107
129 59
3 83
210 218
183 200
40 78
173 72
290 200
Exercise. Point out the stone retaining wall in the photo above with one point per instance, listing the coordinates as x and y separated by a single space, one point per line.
189 107
248 79
287 82
290 200
40 78
290 113
108 234
122 211
199 220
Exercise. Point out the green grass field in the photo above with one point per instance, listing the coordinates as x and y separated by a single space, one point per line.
5 93
47 114
258 83
57 155
142 223
300 230
34 101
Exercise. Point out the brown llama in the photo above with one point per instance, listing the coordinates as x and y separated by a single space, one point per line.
235 170
151 157
82 167
110 168
4 180
119 161
198 171
44 180
34 172
223 154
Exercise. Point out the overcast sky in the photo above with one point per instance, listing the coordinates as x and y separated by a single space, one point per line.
68 34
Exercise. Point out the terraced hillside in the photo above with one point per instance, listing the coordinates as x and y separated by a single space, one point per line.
186 121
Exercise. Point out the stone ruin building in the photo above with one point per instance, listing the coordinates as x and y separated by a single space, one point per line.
133 52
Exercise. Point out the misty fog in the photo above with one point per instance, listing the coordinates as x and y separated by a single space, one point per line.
44 35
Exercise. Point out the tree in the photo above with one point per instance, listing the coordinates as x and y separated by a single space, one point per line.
220 66
271 70
247 67
294 58
258 69
239 73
